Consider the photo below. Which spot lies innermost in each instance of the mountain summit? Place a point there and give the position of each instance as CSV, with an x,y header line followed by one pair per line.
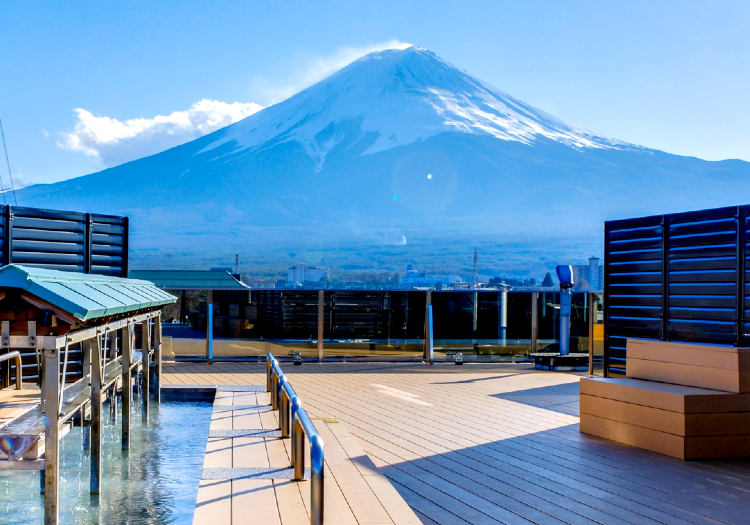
x,y
398,157
395,98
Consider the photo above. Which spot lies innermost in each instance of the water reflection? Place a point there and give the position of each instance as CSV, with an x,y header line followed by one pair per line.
x,y
155,483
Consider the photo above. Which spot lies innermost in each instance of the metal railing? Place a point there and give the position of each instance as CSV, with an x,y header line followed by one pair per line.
x,y
295,423
19,372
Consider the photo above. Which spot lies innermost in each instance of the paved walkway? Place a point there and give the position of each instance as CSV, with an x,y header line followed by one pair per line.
x,y
488,444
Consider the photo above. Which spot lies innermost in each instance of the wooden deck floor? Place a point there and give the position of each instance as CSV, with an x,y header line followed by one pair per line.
x,y
487,444
355,493
14,403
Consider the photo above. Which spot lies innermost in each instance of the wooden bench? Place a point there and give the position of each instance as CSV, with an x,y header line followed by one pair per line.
x,y
685,400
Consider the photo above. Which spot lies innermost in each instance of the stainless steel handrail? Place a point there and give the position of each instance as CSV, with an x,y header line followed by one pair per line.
x,y
296,423
19,371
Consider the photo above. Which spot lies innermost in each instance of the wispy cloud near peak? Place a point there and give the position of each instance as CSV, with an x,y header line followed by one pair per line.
x,y
318,68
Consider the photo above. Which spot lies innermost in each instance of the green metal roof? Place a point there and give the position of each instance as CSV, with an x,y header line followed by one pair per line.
x,y
84,296
190,279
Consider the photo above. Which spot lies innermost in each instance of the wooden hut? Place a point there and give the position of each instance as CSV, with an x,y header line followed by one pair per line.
x,y
76,337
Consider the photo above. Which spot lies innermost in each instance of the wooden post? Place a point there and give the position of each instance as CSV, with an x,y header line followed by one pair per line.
x,y
157,358
112,391
146,363
321,311
97,373
127,386
51,435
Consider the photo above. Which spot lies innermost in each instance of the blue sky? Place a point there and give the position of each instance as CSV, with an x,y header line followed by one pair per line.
x,y
670,75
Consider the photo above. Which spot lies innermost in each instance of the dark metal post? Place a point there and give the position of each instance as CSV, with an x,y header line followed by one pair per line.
x,y
321,311
428,304
534,321
88,226
209,326
592,322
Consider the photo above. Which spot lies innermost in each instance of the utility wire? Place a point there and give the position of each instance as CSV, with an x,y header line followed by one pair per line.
x,y
7,161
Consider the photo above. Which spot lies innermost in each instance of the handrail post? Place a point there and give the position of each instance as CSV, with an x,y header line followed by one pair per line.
x,y
274,389
269,364
316,480
284,413
298,448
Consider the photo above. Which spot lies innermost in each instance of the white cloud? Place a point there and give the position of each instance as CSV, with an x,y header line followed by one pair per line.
x,y
318,68
116,142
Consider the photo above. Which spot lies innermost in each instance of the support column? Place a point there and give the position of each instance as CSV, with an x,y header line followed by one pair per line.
x,y
127,383
427,327
112,356
97,373
503,320
209,326
321,311
592,321
146,363
534,321
157,358
51,393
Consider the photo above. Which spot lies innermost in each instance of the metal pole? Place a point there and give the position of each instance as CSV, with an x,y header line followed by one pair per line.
x,y
321,311
127,383
503,317
316,480
565,307
429,343
146,367
51,435
534,321
298,450
157,357
269,364
427,328
96,415
210,326
592,322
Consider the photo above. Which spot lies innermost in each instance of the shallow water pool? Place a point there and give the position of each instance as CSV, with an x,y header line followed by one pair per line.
x,y
155,482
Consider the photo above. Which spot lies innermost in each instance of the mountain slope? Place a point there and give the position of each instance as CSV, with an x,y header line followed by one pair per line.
x,y
398,157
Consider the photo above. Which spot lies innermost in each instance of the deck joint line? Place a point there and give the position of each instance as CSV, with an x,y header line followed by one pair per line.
x,y
231,408
236,433
224,474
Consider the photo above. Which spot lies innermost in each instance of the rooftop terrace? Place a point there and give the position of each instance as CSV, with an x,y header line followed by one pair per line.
x,y
497,443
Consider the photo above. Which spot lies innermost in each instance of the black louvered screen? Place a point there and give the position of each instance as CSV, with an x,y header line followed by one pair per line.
x,y
68,241
702,298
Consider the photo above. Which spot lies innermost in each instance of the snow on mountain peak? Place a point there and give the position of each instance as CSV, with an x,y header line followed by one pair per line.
x,y
397,97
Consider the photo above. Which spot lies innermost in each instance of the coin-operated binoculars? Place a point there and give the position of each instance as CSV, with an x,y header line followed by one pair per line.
x,y
565,276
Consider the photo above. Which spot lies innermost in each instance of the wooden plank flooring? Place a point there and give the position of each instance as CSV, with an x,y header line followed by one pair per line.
x,y
355,492
498,444
14,403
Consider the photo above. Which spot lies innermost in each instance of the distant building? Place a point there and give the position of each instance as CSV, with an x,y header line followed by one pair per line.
x,y
302,273
415,279
588,277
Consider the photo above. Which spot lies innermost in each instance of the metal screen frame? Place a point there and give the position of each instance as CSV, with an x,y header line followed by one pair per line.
x,y
676,277
63,240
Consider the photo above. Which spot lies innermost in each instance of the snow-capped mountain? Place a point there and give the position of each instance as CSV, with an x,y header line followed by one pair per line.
x,y
401,97
399,157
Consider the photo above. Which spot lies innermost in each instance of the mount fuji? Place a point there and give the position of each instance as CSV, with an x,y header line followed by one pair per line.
x,y
399,157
